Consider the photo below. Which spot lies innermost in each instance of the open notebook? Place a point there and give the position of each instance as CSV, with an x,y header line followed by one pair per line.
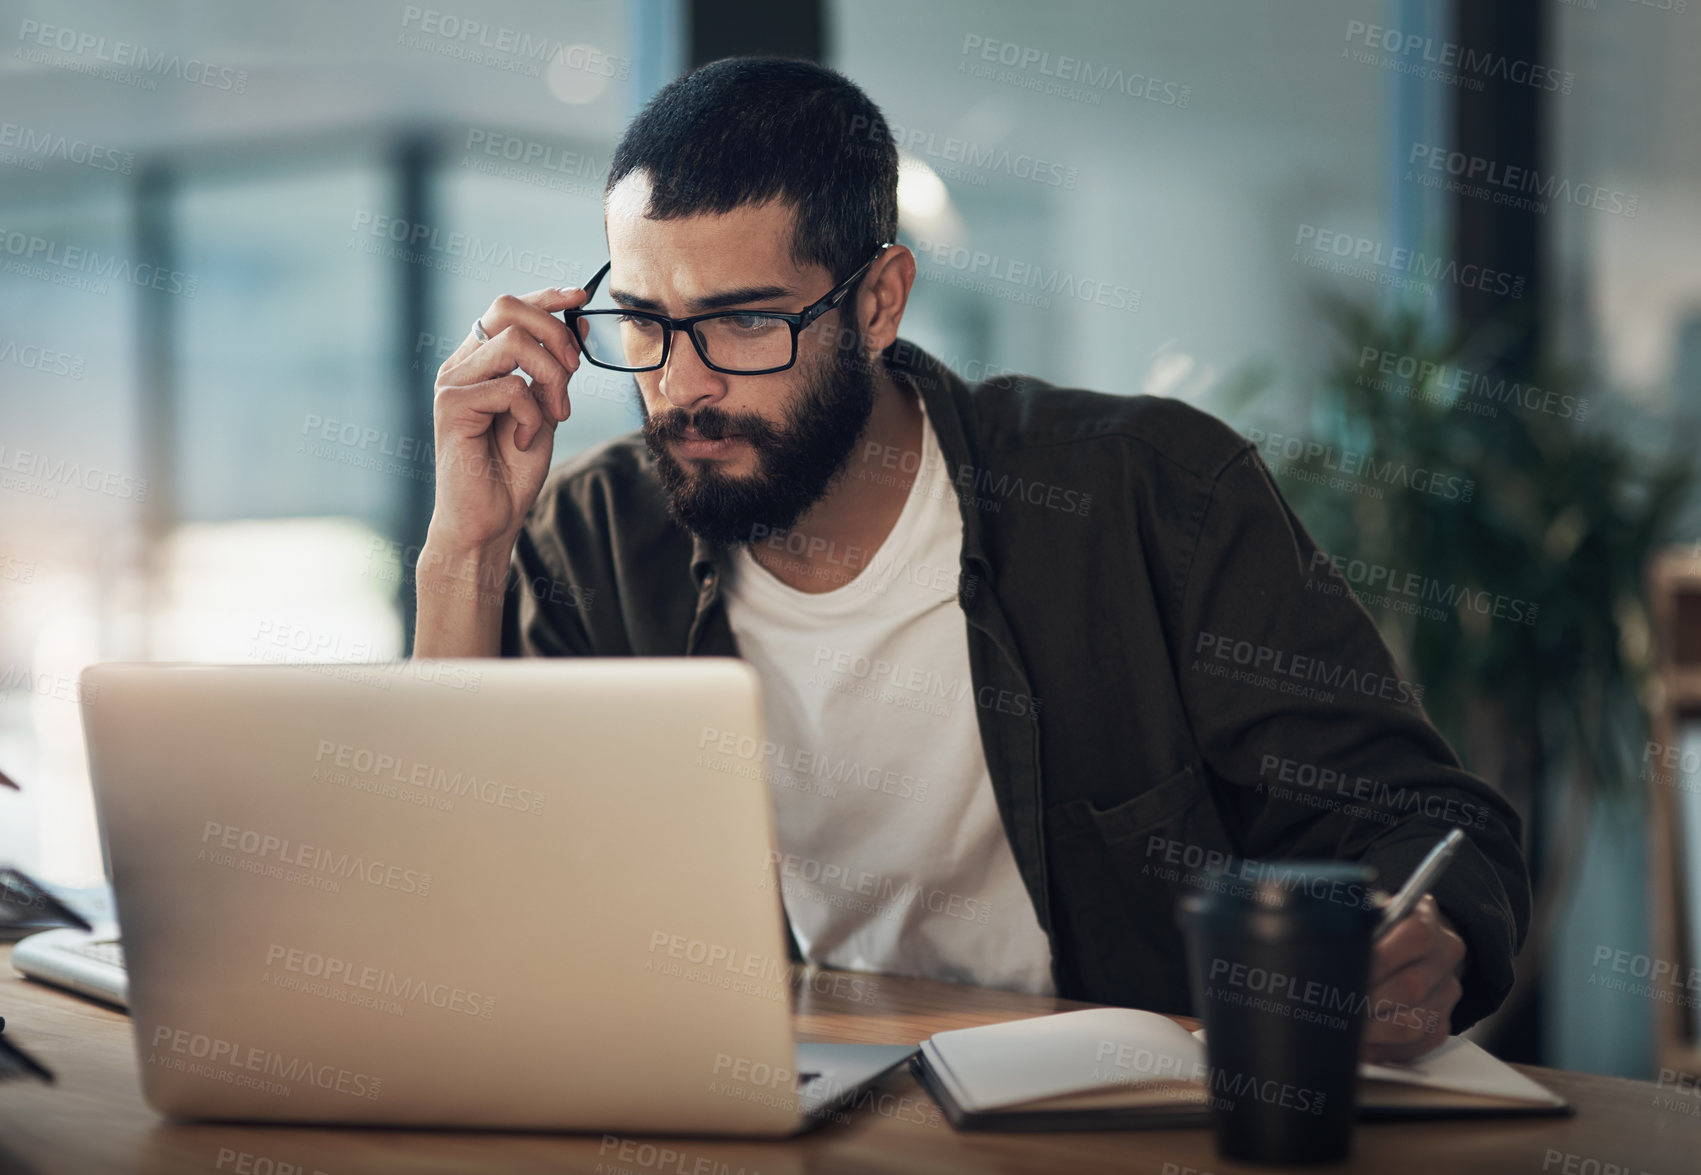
x,y
1117,1068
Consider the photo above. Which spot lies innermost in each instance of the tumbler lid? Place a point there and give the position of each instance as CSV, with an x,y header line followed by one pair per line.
x,y
1326,897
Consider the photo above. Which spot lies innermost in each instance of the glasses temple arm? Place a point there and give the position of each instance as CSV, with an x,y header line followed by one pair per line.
x,y
591,286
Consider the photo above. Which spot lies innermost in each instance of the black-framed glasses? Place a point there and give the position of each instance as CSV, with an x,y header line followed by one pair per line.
x,y
732,342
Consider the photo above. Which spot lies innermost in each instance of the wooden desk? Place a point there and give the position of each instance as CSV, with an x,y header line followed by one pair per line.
x,y
94,1121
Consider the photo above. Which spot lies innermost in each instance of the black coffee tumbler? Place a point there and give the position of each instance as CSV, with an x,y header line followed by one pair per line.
x,y
1279,957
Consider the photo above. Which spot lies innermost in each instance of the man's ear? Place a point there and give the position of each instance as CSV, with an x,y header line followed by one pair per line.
x,y
882,296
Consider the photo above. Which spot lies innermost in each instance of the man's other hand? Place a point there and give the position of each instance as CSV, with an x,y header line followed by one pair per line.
x,y
1414,983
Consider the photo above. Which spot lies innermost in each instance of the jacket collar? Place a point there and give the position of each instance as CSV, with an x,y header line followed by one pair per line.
x,y
947,400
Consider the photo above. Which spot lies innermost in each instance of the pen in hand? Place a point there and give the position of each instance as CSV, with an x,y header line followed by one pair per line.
x,y
1423,878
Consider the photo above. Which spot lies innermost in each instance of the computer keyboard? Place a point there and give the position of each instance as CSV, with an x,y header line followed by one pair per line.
x,y
90,964
107,950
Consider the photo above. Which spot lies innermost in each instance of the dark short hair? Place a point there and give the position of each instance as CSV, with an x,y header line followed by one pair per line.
x,y
744,130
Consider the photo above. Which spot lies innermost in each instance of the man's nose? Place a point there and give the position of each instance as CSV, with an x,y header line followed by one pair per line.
x,y
685,381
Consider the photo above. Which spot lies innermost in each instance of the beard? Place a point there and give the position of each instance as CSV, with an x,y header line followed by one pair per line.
x,y
797,460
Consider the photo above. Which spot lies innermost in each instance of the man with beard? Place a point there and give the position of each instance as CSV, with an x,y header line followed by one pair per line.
x,y
1027,652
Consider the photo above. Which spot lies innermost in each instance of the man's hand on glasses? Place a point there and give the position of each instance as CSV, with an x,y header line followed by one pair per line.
x,y
494,433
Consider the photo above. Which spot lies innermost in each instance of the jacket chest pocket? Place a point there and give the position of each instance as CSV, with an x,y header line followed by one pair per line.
x,y
1123,869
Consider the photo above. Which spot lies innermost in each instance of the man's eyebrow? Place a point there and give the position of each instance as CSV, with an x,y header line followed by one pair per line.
x,y
724,300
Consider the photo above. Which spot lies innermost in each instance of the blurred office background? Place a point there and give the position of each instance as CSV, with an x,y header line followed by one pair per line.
x,y
237,240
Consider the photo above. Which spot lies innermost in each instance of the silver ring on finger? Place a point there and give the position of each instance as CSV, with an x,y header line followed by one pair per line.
x,y
478,331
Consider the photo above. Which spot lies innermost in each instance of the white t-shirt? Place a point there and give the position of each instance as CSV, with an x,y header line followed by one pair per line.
x,y
893,856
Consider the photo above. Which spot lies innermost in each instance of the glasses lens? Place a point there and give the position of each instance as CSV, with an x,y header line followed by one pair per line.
x,y
746,342
616,339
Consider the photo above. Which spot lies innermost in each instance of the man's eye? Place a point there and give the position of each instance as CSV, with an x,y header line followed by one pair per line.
x,y
632,320
752,323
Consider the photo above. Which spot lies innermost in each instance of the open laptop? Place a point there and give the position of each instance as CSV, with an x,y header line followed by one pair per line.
x,y
501,894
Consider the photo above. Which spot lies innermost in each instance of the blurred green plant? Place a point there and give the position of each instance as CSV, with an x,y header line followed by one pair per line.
x,y
1564,516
